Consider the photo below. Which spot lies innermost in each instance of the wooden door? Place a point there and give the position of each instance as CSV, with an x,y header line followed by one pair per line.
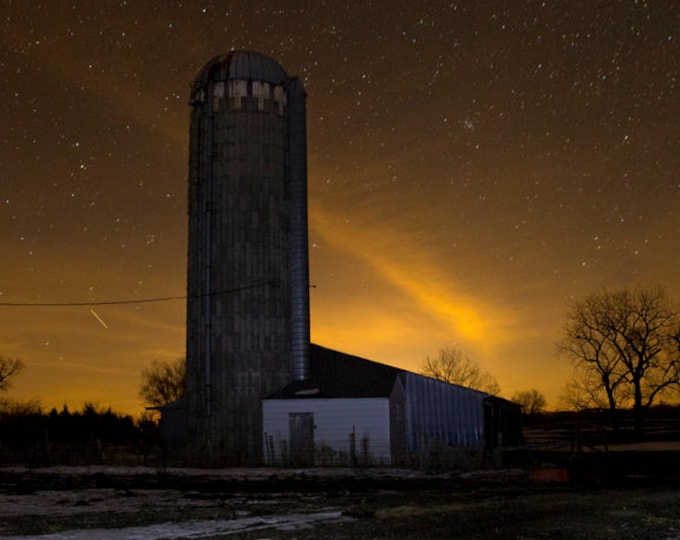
x,y
301,438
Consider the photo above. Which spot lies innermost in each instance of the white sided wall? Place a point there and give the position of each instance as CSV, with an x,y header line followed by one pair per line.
x,y
334,422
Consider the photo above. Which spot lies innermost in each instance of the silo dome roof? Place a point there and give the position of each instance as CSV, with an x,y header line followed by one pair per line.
x,y
249,65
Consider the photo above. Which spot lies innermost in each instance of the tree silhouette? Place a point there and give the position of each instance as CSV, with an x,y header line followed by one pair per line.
x,y
163,382
453,366
8,368
532,401
624,344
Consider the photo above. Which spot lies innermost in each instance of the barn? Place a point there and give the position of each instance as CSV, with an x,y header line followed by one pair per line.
x,y
256,390
359,412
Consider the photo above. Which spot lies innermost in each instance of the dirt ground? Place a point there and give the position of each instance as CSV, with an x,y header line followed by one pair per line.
x,y
97,503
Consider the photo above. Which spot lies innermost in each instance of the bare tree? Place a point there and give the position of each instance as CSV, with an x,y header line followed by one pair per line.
x,y
13,408
8,368
532,401
452,366
163,382
625,344
585,390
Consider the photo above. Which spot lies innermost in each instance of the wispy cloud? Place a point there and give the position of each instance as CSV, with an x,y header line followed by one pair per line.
x,y
412,272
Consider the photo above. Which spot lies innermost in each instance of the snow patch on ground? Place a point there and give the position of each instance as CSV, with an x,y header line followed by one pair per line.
x,y
196,529
57,502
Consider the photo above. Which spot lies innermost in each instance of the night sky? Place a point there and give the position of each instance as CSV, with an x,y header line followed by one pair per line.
x,y
473,166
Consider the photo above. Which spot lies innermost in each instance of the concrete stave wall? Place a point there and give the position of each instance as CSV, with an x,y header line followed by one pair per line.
x,y
239,306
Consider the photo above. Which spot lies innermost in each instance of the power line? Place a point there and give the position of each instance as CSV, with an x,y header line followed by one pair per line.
x,y
138,301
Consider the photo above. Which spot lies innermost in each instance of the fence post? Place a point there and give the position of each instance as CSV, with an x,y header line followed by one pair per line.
x,y
353,448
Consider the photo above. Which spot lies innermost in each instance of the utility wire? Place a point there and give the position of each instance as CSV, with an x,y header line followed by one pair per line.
x,y
139,301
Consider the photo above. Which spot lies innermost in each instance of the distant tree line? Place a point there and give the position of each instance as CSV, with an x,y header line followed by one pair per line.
x,y
91,435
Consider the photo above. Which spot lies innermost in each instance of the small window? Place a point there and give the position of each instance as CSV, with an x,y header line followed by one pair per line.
x,y
261,92
238,89
198,96
218,94
280,98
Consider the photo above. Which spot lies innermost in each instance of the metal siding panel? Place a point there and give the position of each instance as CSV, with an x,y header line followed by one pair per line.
x,y
438,411
398,444
299,257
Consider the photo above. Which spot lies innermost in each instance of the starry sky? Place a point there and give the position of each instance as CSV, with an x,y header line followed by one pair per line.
x,y
473,167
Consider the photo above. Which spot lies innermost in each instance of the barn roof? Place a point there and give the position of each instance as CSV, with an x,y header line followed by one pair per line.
x,y
335,374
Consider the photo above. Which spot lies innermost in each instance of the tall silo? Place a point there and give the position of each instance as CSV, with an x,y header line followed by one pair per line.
x,y
248,279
